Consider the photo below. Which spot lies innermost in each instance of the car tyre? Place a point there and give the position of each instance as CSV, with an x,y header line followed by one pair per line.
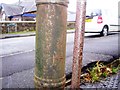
x,y
104,31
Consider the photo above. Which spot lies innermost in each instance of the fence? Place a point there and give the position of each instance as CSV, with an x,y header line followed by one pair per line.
x,y
18,26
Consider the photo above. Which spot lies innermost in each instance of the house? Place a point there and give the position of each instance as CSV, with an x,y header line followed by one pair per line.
x,y
29,10
13,12
24,10
0,13
7,11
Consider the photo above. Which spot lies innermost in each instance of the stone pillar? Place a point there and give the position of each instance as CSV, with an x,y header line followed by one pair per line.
x,y
51,24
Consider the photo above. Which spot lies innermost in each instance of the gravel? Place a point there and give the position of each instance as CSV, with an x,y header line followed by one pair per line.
x,y
110,83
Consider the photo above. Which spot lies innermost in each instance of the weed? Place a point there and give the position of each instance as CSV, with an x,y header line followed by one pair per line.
x,y
114,70
99,71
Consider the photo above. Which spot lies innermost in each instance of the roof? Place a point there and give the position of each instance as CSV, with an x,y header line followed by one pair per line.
x,y
0,8
29,6
11,10
19,8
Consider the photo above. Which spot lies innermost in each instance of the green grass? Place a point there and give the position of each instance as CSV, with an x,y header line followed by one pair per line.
x,y
24,32
21,32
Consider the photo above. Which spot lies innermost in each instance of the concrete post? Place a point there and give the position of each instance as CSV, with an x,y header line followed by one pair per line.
x,y
51,23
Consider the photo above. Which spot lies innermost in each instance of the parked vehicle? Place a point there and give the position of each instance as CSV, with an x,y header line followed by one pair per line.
x,y
101,18
97,22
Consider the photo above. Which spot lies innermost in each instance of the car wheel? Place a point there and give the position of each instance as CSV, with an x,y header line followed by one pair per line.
x,y
104,31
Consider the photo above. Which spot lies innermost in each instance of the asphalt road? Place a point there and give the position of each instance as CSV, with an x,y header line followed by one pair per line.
x,y
18,53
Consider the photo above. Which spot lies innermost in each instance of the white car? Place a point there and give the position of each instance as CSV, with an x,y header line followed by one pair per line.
x,y
101,19
96,22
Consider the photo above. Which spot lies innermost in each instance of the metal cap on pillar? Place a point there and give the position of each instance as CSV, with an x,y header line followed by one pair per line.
x,y
51,25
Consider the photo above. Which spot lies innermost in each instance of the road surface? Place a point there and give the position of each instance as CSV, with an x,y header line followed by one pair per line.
x,y
18,53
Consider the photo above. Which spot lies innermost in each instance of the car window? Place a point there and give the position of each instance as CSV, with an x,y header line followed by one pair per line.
x,y
96,12
93,13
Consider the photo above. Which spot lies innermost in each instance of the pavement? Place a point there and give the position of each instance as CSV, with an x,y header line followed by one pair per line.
x,y
26,34
24,79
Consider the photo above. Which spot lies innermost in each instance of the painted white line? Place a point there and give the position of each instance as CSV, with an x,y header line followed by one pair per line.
x,y
12,54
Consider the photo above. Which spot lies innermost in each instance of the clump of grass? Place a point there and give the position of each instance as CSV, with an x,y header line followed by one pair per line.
x,y
100,71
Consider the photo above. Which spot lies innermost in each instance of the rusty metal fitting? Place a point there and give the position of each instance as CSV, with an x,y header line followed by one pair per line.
x,y
61,2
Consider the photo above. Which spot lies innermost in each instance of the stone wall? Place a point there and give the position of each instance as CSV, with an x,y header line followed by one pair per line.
x,y
13,27
18,27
